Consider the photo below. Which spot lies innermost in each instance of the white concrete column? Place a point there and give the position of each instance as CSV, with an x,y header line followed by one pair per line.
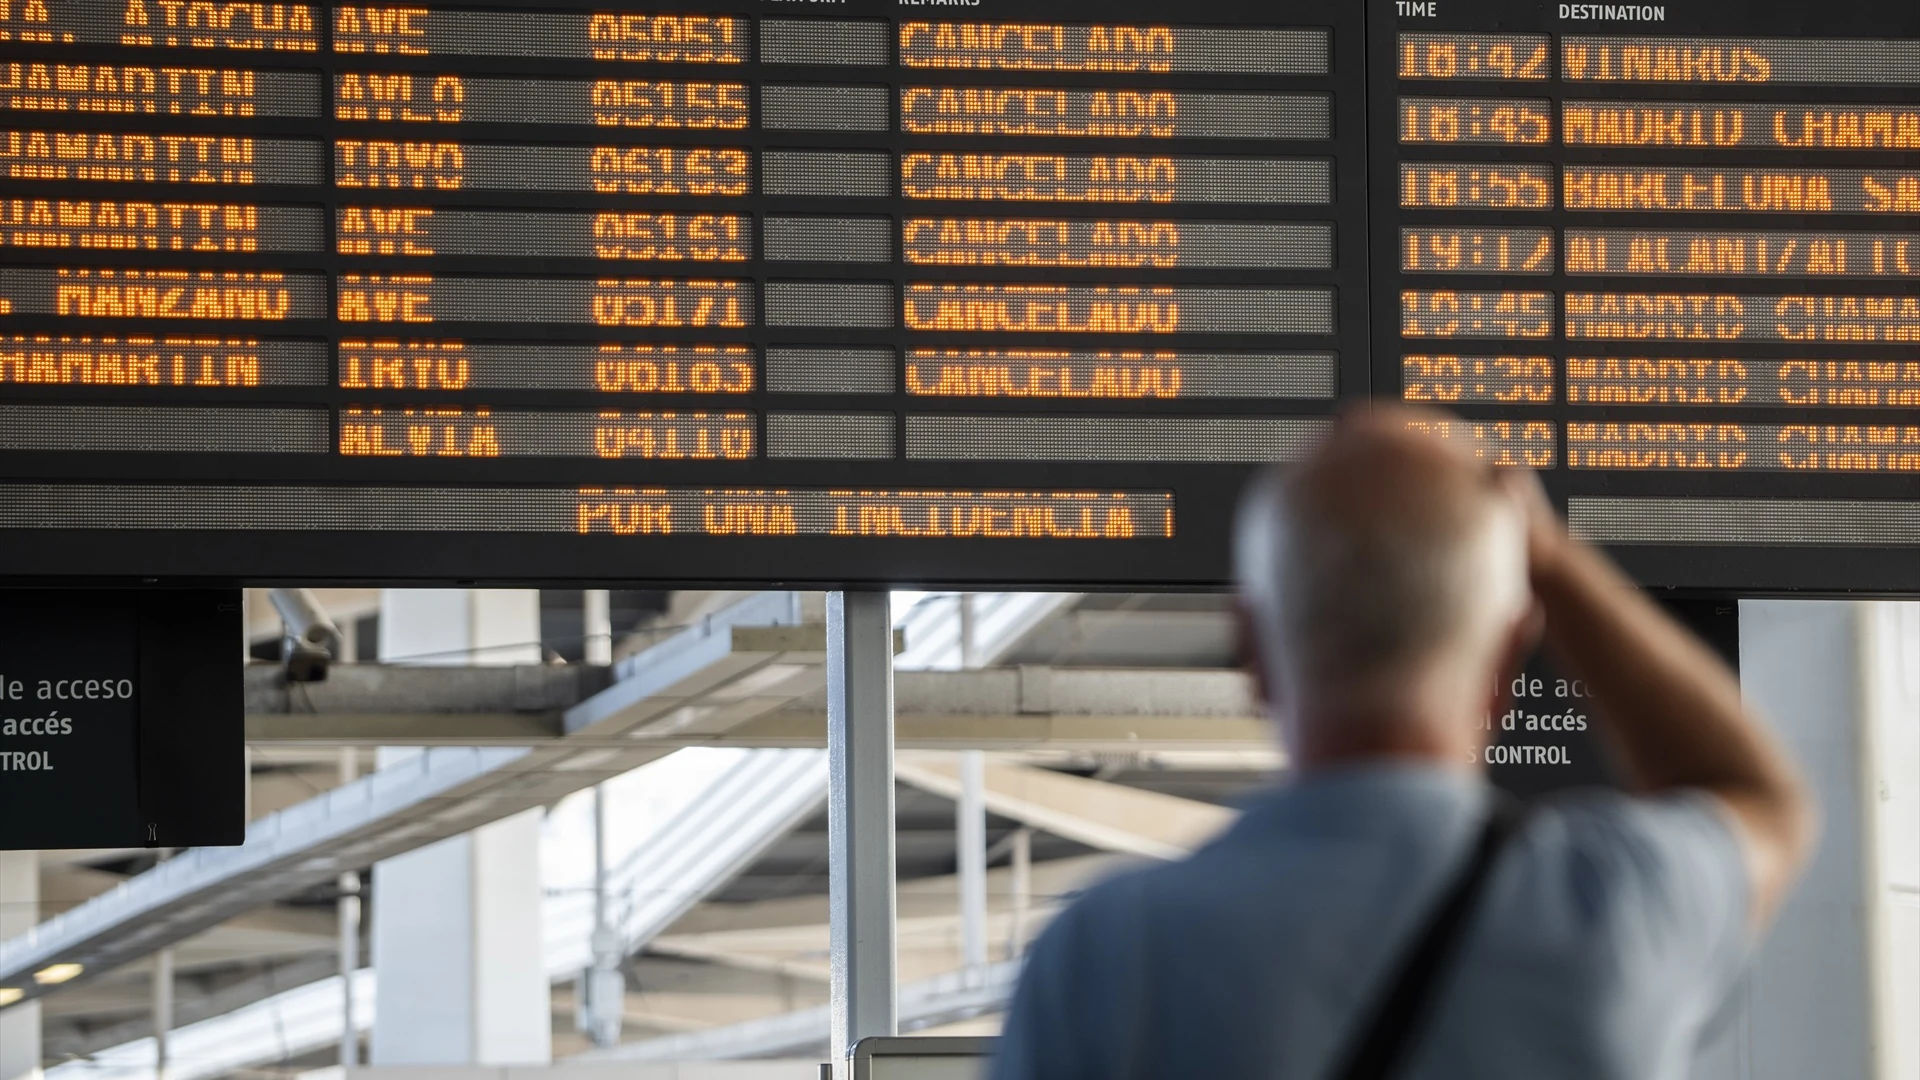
x,y
347,929
596,626
861,902
1816,1001
19,913
1893,680
970,840
969,653
1021,884
162,1013
456,925
600,991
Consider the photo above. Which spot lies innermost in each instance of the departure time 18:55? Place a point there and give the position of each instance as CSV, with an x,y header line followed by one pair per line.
x,y
1482,186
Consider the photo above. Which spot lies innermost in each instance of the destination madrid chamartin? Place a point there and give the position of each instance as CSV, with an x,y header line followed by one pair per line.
x,y
978,293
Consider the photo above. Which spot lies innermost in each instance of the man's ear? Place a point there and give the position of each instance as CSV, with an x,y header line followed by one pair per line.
x,y
1247,646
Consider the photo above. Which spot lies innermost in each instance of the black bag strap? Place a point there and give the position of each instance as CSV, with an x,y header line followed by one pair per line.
x,y
1382,1042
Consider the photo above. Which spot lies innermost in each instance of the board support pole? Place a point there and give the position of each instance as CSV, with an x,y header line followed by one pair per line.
x,y
860,819
162,1013
347,919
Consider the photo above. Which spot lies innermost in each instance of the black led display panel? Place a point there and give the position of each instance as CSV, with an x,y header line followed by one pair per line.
x,y
120,723
878,292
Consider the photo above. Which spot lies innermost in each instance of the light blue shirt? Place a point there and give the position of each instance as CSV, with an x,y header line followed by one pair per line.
x,y
1608,934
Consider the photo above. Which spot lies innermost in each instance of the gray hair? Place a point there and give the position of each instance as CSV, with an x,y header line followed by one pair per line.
x,y
1354,585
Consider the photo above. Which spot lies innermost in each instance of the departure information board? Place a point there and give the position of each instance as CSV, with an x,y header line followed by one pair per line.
x,y
953,293
1665,253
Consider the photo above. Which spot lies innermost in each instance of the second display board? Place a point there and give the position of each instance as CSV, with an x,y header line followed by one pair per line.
x,y
866,293
1666,255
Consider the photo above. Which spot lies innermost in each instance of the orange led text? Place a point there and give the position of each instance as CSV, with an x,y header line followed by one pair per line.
x,y
1038,177
387,163
129,226
667,39
670,170
1603,61
621,368
407,98
172,294
994,110
219,24
388,364
418,432
129,89
1130,309
401,30
1039,373
669,105
384,230
128,157
1041,242
674,436
643,303
131,361
1509,380
385,298
1036,47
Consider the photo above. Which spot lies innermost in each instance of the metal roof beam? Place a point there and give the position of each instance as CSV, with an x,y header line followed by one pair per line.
x,y
1111,817
774,699
442,791
192,1006
942,999
751,805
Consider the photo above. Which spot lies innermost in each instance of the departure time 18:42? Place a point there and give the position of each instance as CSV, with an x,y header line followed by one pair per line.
x,y
1474,56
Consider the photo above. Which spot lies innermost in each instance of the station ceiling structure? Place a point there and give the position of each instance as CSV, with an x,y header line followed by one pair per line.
x,y
1103,754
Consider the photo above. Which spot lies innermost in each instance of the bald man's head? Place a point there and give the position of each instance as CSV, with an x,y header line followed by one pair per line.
x,y
1384,576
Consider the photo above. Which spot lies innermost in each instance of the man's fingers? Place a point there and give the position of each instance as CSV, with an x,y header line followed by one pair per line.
x,y
1412,428
1527,490
1546,533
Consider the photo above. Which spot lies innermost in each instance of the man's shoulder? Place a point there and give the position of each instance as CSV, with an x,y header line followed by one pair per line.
x,y
1605,823
1600,865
